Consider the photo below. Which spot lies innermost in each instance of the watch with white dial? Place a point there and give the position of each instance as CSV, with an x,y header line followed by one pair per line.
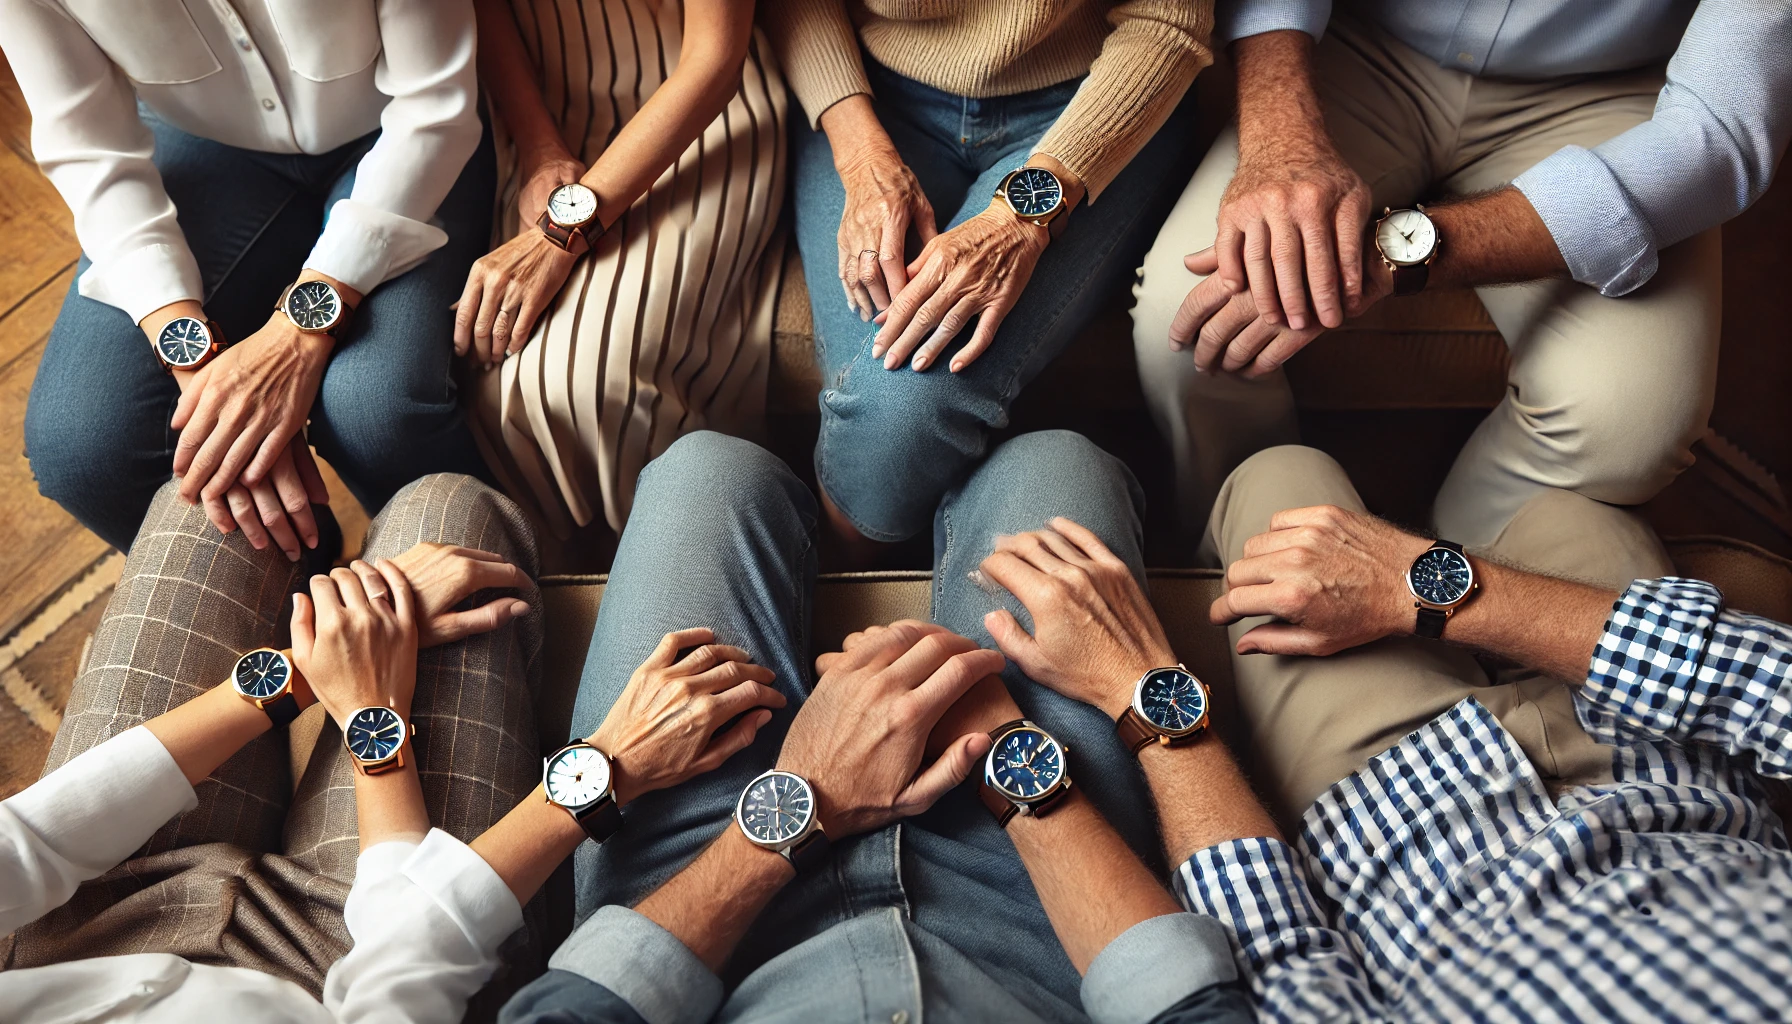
x,y
315,307
187,343
580,778
570,219
1169,706
1408,242
1440,580
1025,772
375,738
264,677
1035,195
777,812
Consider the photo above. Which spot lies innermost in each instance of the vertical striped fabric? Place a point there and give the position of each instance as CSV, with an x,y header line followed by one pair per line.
x,y
665,327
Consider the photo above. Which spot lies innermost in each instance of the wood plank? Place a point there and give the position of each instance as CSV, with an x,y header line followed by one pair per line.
x,y
37,235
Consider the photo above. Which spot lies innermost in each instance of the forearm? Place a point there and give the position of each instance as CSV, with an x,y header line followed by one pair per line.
x,y
1202,798
389,806
527,844
710,904
854,132
208,730
1278,107
1549,624
504,68
1492,238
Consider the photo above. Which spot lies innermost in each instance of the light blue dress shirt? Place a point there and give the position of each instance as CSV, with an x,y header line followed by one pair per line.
x,y
1720,125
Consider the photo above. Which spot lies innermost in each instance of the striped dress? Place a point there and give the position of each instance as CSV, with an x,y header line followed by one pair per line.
x,y
665,326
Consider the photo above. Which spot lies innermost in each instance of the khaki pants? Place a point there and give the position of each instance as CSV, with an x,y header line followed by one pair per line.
x,y
1309,722
1605,396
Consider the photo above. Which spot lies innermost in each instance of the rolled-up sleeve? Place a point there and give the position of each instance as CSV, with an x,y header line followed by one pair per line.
x,y
87,139
1235,21
631,959
427,131
1719,127
1155,965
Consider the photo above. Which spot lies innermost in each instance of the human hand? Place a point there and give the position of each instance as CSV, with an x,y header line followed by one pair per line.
x,y
860,737
357,651
1291,224
1228,333
1094,631
278,508
541,176
977,269
444,575
240,412
1334,578
883,199
663,729
506,291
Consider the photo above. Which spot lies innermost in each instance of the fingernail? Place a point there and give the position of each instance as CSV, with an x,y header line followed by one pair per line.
x,y
865,315
877,350
292,556
311,540
891,362
957,365
919,362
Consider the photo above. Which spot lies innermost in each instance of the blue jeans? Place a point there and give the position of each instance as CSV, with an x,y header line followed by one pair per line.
x,y
722,535
893,442
96,427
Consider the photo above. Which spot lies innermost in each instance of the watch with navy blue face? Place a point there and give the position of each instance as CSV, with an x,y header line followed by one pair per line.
x,y
1025,772
1169,707
375,739
580,778
1035,195
1440,580
264,677
777,812
187,343
315,307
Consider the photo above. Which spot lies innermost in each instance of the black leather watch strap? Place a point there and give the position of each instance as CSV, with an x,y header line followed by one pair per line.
x,y
1431,623
601,820
811,851
282,710
1411,279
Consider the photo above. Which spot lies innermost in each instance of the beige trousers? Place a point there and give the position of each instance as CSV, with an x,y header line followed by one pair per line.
x,y
1309,722
1605,396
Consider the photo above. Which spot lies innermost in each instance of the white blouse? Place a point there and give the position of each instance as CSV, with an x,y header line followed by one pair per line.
x,y
426,918
277,76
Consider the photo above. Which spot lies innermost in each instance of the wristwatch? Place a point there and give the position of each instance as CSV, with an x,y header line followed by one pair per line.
x,y
777,812
187,343
1024,773
1408,242
1169,706
1035,195
264,678
375,739
315,307
1440,580
570,217
579,778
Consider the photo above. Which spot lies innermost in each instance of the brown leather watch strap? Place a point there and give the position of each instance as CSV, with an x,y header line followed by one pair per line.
x,y
573,240
1134,732
998,805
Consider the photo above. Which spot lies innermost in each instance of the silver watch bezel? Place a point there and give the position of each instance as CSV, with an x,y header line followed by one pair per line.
x,y
780,845
1138,701
609,791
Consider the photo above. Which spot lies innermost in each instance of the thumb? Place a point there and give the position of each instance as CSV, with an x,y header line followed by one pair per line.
x,y
1282,638
1205,263
1011,639
304,628
940,777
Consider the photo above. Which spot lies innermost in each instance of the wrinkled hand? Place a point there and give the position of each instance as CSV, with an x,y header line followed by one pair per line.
x,y
355,650
540,179
664,728
1094,632
977,269
240,412
506,291
442,576
278,508
1333,578
1229,334
883,200
860,737
1291,224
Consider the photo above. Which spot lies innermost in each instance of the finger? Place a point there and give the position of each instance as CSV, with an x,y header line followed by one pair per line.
x,y
273,518
190,398
889,253
202,473
1282,347
1204,263
290,492
1031,547
669,646
1277,599
1260,271
1282,638
1065,551
218,511
708,656
741,698
1086,540
1290,271
304,626
1244,348
371,580
950,681
486,317
726,745
466,308
1229,252
404,601
247,516
921,216
452,626
1308,515
483,574
944,774
533,304
1353,216
193,437
1258,571
327,599
730,674
1203,301
1210,346
950,325
1015,642
348,585
231,468
871,277
988,323
924,325
903,307
1322,273
1018,576
309,475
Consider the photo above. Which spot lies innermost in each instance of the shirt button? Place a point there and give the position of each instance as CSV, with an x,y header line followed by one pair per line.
x,y
267,104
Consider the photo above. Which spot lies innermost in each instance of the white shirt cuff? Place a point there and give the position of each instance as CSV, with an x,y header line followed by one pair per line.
x,y
364,246
465,887
105,803
144,280
1154,965
642,963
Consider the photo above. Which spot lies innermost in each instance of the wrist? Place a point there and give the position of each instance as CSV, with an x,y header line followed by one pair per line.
x,y
755,865
1401,606
153,323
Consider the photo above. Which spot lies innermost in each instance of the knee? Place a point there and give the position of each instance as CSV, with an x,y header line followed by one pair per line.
x,y
1614,449
1293,470
892,444
383,430
452,508
709,475
1058,460
77,453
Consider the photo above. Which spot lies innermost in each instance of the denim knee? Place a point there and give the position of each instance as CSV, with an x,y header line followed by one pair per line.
x,y
706,478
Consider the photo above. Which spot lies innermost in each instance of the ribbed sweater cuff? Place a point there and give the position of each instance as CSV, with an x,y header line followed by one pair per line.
x,y
819,50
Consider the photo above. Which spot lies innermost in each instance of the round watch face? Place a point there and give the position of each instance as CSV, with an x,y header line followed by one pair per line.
x,y
1034,192
184,341
261,674
314,306
571,206
1406,237
1025,764
775,808
1440,576
577,776
374,734
1172,700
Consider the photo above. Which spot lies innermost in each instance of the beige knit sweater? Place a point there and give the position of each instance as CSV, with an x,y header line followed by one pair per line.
x,y
1140,56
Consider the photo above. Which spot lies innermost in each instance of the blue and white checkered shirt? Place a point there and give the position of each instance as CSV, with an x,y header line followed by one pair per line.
x,y
1441,882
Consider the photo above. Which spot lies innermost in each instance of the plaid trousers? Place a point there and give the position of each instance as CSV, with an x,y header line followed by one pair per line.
x,y
256,876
